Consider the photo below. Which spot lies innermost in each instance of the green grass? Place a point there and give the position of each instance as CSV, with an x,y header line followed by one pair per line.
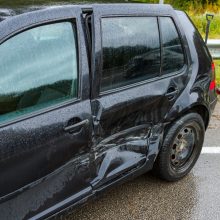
x,y
217,68
200,22
197,11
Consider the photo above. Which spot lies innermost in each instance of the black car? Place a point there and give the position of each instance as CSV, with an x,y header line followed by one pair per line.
x,y
74,122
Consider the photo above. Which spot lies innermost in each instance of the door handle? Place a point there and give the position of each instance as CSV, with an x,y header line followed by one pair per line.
x,y
76,127
172,93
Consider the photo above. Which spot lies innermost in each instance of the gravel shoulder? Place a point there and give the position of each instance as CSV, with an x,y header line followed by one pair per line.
x,y
212,137
215,121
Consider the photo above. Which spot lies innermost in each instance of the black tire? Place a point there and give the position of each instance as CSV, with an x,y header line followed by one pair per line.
x,y
178,141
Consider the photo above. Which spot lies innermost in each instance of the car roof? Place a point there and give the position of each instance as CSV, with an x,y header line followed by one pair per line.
x,y
11,12
15,21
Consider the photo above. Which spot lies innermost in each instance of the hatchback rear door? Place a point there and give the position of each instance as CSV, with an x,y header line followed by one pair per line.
x,y
45,113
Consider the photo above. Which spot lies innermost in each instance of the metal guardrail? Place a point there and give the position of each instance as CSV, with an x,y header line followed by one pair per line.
x,y
214,48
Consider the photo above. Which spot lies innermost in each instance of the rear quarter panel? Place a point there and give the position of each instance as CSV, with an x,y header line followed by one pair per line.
x,y
196,92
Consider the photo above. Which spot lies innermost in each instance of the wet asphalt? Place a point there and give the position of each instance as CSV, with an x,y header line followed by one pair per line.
x,y
197,196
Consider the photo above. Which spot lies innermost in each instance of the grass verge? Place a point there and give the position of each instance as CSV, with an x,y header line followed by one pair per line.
x,y
200,22
217,68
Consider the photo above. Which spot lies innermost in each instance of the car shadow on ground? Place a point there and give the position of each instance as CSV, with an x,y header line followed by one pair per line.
x,y
144,197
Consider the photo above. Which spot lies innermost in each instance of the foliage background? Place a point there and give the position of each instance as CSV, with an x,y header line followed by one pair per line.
x,y
197,10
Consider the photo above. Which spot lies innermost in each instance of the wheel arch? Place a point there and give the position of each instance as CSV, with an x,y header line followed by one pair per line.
x,y
200,109
203,112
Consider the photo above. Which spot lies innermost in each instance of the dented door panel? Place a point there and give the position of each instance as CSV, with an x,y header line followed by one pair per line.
x,y
122,111
127,133
120,153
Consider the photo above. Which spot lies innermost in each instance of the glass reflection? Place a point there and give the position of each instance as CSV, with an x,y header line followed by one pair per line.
x,y
173,58
38,69
131,50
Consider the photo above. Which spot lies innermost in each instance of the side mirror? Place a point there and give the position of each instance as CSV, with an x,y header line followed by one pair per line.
x,y
209,18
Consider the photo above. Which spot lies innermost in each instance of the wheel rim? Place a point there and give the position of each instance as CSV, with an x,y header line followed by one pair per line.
x,y
183,147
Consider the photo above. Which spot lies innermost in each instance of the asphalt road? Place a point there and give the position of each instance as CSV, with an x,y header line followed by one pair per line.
x,y
195,197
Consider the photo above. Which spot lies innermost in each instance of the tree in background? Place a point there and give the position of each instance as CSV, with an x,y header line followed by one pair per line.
x,y
194,6
197,9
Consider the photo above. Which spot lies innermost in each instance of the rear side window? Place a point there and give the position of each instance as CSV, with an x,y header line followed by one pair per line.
x,y
38,69
172,50
131,51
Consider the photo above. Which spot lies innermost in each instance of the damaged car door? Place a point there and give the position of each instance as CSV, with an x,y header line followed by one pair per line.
x,y
131,95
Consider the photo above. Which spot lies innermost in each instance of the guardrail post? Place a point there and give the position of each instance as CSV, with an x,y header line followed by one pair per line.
x,y
214,48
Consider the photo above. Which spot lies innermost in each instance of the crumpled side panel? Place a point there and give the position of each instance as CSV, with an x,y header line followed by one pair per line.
x,y
120,153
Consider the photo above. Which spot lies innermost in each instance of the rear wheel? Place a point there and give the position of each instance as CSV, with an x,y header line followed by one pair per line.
x,y
181,147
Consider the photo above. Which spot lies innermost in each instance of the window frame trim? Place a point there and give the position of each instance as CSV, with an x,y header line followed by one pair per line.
x,y
181,42
158,78
73,21
160,75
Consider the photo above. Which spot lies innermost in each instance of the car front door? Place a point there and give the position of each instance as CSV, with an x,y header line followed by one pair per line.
x,y
45,113
132,94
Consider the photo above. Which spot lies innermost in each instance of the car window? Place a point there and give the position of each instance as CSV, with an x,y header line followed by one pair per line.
x,y
131,51
173,56
38,69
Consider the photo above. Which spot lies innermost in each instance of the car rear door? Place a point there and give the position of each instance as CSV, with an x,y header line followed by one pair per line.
x,y
132,94
45,113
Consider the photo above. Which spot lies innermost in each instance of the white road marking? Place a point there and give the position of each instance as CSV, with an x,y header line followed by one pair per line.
x,y
211,150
